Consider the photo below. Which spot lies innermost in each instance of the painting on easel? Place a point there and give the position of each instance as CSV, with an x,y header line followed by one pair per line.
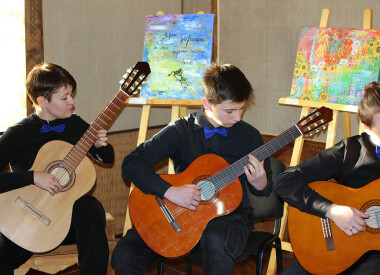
x,y
333,64
178,49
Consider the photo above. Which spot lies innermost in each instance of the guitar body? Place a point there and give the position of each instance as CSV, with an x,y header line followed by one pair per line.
x,y
50,227
306,232
153,226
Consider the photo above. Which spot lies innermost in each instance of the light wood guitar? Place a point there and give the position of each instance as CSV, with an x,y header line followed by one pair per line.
x,y
319,245
172,231
37,221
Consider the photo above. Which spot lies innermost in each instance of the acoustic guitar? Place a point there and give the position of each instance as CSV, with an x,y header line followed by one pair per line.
x,y
37,221
319,245
172,231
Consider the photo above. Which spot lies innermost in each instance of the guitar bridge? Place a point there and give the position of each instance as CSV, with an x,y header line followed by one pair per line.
x,y
169,216
327,234
32,210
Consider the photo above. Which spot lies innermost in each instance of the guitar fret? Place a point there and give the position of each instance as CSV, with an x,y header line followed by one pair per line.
x,y
66,165
102,120
88,144
74,156
92,135
89,136
100,123
117,107
120,101
111,111
106,116
99,126
79,148
70,166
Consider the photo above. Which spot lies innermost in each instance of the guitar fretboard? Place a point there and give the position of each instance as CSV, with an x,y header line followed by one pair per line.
x,y
81,148
235,170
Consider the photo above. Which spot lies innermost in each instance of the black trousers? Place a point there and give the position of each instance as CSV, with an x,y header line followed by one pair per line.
x,y
368,264
87,231
222,241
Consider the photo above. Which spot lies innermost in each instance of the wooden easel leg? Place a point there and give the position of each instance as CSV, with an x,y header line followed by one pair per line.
x,y
143,133
331,131
296,156
144,124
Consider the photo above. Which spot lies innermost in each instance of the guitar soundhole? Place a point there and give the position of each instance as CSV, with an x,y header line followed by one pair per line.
x,y
208,194
372,208
64,176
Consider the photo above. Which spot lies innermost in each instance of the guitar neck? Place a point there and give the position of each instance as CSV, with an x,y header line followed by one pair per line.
x,y
236,169
81,148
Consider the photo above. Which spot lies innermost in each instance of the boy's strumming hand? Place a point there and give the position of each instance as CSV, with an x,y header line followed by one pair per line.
x,y
187,196
47,182
349,219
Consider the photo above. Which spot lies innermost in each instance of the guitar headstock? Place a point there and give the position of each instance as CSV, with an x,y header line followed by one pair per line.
x,y
134,78
315,121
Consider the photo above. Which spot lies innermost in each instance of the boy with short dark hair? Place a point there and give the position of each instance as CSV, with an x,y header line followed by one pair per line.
x,y
216,128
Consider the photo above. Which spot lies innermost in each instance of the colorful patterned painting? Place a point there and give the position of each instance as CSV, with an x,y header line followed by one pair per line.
x,y
178,49
333,65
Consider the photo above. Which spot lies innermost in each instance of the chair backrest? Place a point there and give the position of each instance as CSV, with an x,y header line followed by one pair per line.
x,y
271,206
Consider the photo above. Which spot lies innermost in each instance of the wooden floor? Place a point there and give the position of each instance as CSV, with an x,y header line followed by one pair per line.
x,y
178,267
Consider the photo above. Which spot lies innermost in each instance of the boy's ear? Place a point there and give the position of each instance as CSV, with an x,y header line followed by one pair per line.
x,y
41,101
206,103
366,127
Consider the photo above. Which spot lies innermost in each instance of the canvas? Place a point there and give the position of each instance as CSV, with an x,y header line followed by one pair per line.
x,y
334,65
178,49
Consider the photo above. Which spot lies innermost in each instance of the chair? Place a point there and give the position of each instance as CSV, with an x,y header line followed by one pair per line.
x,y
65,255
258,241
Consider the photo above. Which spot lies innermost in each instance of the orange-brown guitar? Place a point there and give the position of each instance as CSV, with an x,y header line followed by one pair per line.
x,y
319,245
38,221
172,231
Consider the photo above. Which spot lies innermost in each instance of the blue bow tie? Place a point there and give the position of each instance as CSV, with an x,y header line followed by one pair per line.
x,y
58,129
378,151
210,132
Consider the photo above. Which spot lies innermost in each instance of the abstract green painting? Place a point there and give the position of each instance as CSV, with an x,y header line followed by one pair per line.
x,y
334,65
178,49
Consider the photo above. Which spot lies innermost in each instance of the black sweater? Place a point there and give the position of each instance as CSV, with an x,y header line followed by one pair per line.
x,y
183,141
352,162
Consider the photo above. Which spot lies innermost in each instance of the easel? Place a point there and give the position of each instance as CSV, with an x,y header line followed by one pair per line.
x,y
346,111
179,109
